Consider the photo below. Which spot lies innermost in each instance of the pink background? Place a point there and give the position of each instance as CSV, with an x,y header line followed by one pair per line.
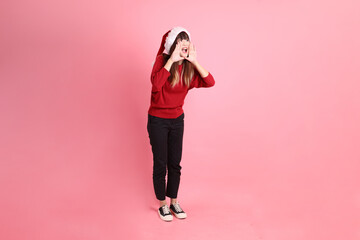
x,y
272,151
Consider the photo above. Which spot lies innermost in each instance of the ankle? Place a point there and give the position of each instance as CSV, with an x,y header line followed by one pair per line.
x,y
162,203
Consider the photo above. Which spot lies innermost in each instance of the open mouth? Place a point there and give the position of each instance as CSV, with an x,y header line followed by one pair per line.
x,y
184,49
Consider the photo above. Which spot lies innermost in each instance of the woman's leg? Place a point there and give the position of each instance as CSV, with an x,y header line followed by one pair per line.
x,y
175,143
158,133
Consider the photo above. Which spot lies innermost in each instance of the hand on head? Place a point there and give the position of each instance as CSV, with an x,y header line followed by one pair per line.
x,y
191,53
188,53
176,55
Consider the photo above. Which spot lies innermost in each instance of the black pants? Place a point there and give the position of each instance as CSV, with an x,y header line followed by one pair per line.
x,y
166,139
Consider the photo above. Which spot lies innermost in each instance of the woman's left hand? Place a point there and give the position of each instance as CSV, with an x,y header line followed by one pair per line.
x,y
192,53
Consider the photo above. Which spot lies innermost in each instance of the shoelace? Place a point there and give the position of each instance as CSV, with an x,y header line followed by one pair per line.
x,y
166,209
177,207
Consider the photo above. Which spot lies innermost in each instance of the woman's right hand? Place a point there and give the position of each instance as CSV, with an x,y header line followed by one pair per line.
x,y
175,56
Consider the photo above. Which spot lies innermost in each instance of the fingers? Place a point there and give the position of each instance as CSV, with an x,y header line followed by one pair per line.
x,y
182,44
192,46
177,51
177,48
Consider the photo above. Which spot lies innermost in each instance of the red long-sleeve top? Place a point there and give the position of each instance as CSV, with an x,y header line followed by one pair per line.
x,y
167,102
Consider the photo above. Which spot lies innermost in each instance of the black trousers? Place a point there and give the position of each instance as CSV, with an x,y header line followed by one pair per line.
x,y
166,139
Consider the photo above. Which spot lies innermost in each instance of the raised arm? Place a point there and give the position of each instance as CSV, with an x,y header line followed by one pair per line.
x,y
159,74
199,82
202,78
161,71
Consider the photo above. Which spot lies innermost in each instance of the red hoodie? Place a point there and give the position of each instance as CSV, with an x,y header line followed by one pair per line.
x,y
167,102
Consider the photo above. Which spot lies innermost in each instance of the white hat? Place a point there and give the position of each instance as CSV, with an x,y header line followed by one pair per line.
x,y
169,38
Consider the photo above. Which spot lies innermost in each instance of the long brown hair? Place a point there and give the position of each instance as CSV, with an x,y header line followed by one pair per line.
x,y
187,71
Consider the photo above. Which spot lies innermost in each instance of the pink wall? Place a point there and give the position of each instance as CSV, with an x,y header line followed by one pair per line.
x,y
270,152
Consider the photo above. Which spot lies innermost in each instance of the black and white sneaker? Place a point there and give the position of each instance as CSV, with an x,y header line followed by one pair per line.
x,y
164,213
177,211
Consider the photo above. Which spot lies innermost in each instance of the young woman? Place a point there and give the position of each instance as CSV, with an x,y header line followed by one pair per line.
x,y
174,73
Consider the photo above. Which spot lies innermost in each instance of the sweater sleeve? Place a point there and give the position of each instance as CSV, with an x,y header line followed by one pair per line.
x,y
159,74
199,82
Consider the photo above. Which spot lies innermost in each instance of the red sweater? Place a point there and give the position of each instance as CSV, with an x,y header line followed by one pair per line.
x,y
167,102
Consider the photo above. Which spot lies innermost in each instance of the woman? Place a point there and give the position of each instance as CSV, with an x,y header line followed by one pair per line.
x,y
174,73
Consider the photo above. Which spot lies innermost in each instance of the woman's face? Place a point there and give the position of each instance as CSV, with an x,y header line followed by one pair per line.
x,y
184,46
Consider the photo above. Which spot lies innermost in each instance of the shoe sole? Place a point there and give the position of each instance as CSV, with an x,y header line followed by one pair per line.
x,y
164,219
176,215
